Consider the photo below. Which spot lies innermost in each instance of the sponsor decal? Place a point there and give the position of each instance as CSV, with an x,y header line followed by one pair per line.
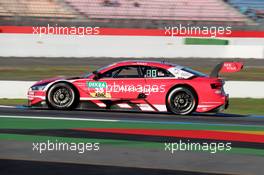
x,y
100,95
231,67
97,84
180,74
98,89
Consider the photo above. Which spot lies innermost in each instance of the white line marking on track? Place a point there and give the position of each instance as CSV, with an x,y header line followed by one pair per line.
x,y
4,106
59,118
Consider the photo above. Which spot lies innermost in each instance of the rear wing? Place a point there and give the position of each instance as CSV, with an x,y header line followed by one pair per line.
x,y
226,67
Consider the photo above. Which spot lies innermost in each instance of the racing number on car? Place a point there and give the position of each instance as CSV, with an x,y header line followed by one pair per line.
x,y
152,73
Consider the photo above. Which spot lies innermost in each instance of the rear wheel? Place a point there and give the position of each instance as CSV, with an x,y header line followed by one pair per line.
x,y
182,101
61,96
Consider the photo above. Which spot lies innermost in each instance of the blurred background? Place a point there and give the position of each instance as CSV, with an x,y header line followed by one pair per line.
x,y
241,14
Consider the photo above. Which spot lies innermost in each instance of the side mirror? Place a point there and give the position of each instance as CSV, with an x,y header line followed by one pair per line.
x,y
97,75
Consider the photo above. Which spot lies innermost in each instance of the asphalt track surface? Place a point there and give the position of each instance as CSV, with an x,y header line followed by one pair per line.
x,y
220,118
122,161
44,168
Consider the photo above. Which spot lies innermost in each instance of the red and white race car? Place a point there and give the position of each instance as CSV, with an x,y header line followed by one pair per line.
x,y
137,85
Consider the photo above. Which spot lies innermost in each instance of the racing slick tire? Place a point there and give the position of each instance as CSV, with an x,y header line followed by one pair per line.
x,y
182,101
62,96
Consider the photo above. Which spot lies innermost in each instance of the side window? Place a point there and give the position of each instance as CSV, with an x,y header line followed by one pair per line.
x,y
155,72
128,72
123,72
111,73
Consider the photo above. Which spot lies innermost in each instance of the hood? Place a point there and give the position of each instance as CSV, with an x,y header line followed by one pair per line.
x,y
49,80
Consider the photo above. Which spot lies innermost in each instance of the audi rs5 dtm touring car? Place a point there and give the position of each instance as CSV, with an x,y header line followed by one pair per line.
x,y
137,85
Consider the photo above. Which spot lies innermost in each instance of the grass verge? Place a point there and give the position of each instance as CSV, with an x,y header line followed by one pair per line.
x,y
13,102
246,106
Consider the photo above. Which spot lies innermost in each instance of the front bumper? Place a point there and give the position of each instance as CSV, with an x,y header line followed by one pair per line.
x,y
36,98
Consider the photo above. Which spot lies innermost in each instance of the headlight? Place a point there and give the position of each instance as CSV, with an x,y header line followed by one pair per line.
x,y
38,87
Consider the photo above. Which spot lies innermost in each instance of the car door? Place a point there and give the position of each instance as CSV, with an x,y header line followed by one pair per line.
x,y
121,83
159,80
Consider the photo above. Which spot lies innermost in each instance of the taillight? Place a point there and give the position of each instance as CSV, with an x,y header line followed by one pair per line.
x,y
217,85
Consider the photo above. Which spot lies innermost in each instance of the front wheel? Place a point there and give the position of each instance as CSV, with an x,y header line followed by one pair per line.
x,y
61,96
182,101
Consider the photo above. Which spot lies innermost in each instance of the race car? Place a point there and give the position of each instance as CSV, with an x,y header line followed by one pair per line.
x,y
137,85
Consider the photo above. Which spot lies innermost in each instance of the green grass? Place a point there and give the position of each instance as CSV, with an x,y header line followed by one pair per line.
x,y
245,106
43,72
13,102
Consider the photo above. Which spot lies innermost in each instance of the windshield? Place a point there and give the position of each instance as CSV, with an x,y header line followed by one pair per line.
x,y
98,70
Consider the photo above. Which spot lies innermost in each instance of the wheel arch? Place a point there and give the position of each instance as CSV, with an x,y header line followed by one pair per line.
x,y
66,82
188,86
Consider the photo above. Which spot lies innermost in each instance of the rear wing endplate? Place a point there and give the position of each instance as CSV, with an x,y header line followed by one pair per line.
x,y
226,67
